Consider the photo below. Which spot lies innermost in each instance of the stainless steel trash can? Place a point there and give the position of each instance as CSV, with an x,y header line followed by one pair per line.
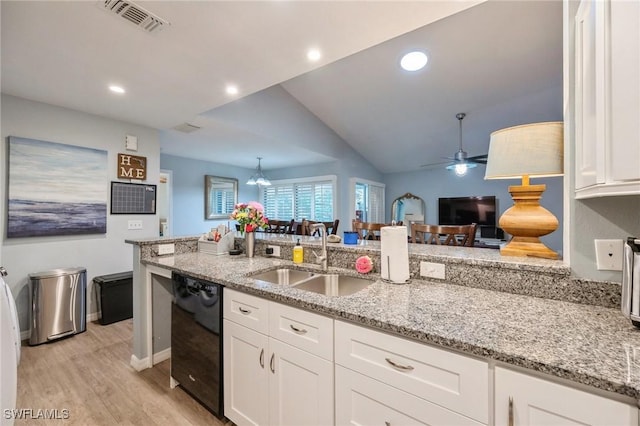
x,y
58,304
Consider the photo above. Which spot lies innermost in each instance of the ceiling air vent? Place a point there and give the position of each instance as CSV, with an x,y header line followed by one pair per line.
x,y
135,14
186,128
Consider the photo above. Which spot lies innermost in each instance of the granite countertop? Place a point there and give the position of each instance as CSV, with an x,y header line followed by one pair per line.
x,y
592,345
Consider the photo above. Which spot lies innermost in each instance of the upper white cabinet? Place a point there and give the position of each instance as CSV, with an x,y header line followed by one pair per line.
x,y
524,400
607,98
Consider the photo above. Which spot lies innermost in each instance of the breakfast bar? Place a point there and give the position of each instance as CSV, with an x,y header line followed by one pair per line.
x,y
526,314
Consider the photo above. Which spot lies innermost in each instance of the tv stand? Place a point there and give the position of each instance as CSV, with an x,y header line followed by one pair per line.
x,y
489,243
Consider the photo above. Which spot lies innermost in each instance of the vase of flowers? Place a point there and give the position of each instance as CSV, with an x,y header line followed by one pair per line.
x,y
250,216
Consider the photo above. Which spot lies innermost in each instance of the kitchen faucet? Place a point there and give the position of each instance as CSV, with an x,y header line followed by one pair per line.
x,y
322,258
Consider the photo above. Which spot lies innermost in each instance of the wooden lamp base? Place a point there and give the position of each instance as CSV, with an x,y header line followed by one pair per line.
x,y
527,221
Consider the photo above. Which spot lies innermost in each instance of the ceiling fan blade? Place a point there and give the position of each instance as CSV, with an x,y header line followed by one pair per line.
x,y
480,159
434,165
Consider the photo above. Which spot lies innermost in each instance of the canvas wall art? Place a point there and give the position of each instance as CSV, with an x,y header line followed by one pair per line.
x,y
55,189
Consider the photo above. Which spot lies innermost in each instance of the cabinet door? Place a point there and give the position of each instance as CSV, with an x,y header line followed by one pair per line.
x,y
539,402
625,90
361,400
590,107
300,387
245,375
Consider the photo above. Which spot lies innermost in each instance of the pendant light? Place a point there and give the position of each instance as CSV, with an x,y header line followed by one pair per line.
x,y
259,178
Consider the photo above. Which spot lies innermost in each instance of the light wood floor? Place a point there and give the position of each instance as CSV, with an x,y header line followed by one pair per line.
x,y
89,375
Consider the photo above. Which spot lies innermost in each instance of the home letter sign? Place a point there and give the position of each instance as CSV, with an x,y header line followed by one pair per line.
x,y
132,167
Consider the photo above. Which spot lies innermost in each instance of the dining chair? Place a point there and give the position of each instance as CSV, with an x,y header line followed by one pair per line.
x,y
463,235
367,230
332,227
279,226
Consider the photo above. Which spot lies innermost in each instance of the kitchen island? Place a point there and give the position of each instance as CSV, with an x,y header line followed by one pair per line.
x,y
522,313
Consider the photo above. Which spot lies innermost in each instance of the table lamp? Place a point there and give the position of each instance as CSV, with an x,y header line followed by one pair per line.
x,y
523,152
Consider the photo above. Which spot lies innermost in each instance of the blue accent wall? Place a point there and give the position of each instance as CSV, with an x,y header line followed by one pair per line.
x,y
188,191
433,184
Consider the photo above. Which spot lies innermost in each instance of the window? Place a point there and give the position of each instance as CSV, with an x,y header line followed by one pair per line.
x,y
368,200
307,198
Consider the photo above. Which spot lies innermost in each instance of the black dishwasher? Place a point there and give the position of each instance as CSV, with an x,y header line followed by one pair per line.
x,y
196,339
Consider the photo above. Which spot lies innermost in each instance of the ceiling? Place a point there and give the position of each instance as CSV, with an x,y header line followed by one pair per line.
x,y
482,60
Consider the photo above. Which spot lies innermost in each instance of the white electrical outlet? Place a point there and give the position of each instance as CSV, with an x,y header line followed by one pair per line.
x,y
134,224
276,251
609,255
166,249
432,270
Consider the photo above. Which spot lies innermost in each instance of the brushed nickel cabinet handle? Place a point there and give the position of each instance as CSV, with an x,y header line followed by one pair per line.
x,y
399,366
510,411
262,358
297,330
244,311
271,366
192,378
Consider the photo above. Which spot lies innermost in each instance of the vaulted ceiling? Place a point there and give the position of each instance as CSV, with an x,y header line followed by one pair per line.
x,y
500,62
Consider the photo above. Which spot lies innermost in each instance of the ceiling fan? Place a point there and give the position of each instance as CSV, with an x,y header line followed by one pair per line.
x,y
461,162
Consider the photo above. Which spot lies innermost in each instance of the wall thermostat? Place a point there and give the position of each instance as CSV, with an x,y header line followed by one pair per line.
x,y
131,143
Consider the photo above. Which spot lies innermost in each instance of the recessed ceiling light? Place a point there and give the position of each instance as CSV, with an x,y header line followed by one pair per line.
x,y
414,61
232,90
116,89
313,55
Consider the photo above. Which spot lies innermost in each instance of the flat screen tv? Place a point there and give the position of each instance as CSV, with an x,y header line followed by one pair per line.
x,y
466,210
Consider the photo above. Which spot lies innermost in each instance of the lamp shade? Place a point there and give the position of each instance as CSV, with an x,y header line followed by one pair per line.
x,y
534,150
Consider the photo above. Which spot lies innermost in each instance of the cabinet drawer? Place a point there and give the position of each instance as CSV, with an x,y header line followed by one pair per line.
x,y
361,400
245,309
304,330
453,381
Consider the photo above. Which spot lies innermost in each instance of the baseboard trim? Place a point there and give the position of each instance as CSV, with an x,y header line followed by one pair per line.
x,y
139,364
142,364
93,317
161,356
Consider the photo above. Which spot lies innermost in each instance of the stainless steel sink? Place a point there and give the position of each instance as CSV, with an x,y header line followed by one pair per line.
x,y
284,276
333,284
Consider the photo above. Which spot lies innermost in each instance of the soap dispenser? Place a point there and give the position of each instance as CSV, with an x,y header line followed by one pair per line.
x,y
298,253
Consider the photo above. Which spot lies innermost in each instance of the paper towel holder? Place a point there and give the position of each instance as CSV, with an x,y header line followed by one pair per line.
x,y
388,262
388,279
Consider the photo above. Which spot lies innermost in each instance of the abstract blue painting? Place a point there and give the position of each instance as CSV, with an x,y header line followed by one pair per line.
x,y
56,189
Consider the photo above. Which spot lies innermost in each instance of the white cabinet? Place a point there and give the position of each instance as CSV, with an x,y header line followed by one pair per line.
x,y
607,98
300,387
245,376
441,386
361,400
589,107
273,373
535,401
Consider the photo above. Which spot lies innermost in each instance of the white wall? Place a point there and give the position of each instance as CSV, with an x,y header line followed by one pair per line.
x,y
100,254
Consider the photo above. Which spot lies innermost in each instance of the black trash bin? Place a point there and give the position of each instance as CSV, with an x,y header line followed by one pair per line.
x,y
114,293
